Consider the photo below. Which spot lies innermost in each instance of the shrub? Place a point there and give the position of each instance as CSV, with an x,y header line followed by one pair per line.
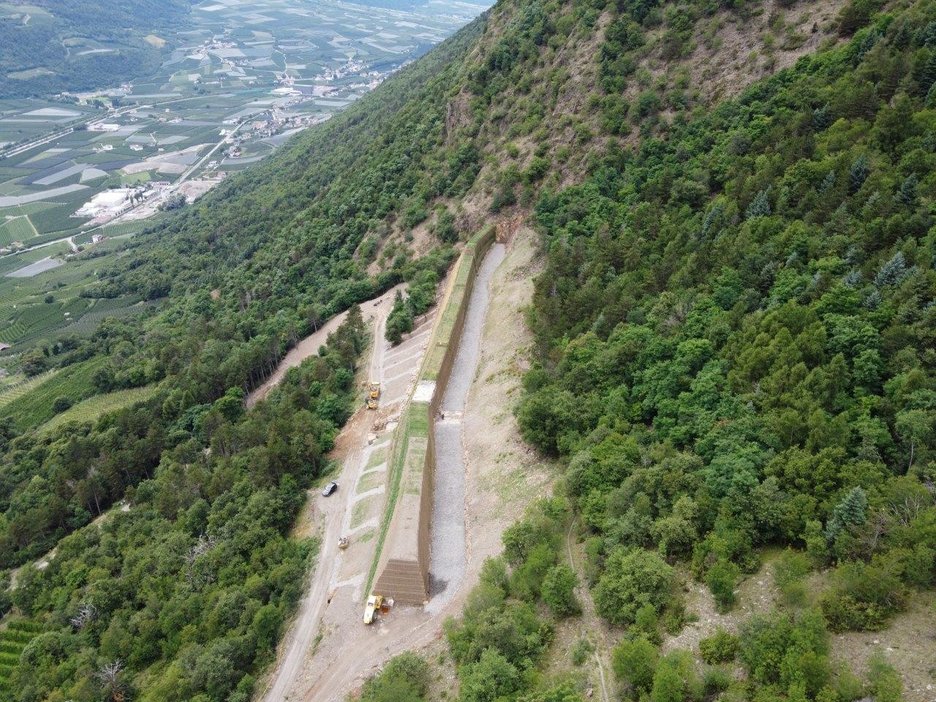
x,y
580,651
558,591
445,227
720,647
862,598
634,662
633,578
399,321
777,649
789,571
504,197
856,15
492,677
60,404
716,680
405,677
675,679
722,578
885,682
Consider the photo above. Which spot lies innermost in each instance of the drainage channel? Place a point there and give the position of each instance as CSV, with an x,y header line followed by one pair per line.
x,y
448,553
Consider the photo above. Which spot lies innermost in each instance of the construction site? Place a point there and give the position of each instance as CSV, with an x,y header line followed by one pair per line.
x,y
399,537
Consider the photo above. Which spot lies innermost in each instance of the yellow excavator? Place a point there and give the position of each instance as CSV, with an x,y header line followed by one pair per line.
x,y
374,605
373,395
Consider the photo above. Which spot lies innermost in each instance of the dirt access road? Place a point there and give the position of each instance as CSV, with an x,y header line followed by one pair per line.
x,y
355,509
374,312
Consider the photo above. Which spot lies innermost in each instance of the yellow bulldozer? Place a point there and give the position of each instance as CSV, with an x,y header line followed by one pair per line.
x,y
373,395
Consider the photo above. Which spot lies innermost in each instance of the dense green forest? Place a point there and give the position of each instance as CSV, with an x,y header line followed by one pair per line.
x,y
183,595
734,352
169,519
41,54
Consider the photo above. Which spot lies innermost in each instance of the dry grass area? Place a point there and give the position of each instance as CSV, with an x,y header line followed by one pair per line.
x,y
908,644
757,594
731,54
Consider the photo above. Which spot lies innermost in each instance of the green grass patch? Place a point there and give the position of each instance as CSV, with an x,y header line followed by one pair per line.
x,y
135,178
16,229
94,407
361,510
377,457
34,407
368,481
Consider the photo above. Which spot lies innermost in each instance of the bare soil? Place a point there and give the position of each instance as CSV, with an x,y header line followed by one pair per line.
x,y
908,644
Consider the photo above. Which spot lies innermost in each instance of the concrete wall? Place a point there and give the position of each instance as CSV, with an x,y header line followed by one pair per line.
x,y
403,563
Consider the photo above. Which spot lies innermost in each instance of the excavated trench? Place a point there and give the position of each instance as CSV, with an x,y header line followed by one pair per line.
x,y
448,552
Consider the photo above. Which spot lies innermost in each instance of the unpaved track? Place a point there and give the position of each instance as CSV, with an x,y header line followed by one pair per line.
x,y
337,578
335,509
378,308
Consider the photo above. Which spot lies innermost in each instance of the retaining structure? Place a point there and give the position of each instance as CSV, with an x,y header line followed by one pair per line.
x,y
402,556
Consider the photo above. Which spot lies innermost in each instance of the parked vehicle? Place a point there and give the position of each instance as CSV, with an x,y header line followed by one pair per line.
x,y
329,489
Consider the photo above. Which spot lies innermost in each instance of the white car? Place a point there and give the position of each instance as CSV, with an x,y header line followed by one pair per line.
x,y
329,489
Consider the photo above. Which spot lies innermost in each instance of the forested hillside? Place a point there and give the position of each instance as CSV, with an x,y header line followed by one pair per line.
x,y
734,352
172,575
735,334
48,46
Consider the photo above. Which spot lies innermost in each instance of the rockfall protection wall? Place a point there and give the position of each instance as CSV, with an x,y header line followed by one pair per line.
x,y
403,545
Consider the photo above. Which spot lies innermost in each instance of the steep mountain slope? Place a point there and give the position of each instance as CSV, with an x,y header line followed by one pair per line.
x,y
735,333
734,350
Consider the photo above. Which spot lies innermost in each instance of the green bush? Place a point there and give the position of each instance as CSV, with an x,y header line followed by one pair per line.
x,y
716,680
580,651
675,679
885,683
491,678
789,573
558,591
405,677
722,579
862,598
634,663
60,404
778,649
720,647
633,578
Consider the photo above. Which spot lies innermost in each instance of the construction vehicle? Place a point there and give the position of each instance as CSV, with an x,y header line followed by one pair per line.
x,y
374,603
373,394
